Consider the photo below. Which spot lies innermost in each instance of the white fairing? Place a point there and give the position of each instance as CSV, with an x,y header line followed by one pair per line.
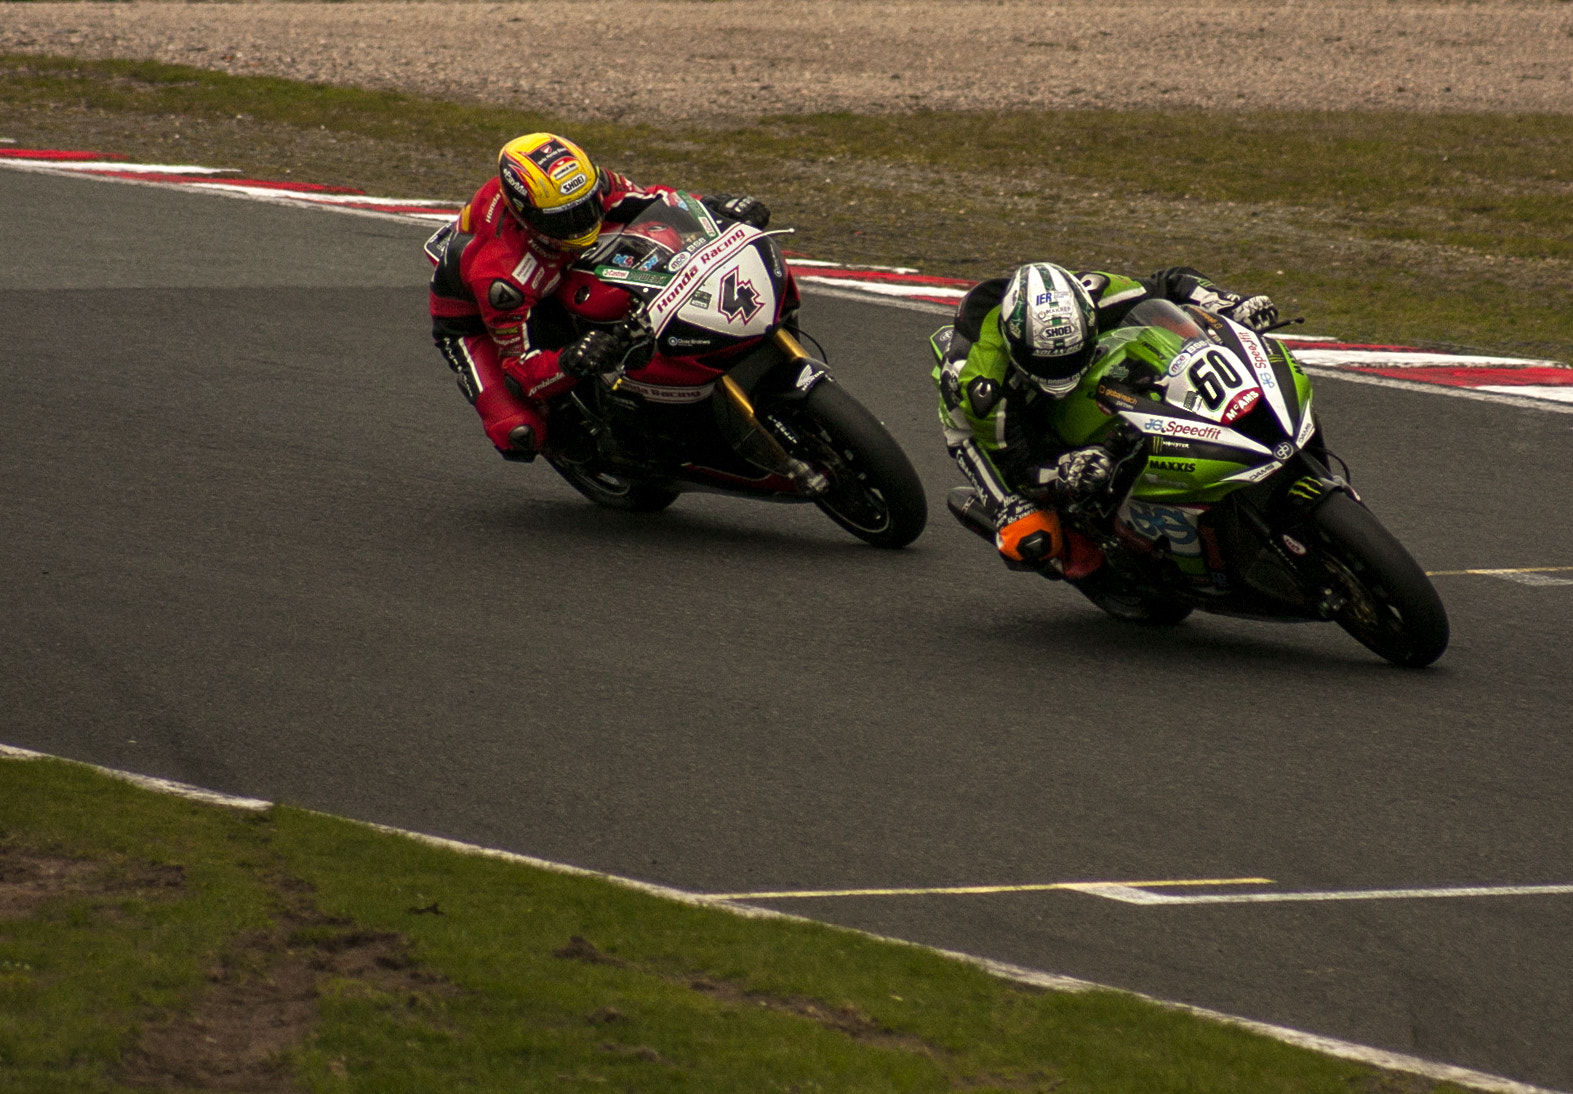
x,y
1184,429
1262,365
736,299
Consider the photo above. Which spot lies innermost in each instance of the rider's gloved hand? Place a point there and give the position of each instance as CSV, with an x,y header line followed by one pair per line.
x,y
1084,472
749,210
1023,533
1256,312
598,351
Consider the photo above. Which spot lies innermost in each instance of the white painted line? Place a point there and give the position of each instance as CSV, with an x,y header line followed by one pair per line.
x,y
1531,391
132,168
822,264
1474,394
148,782
1330,1046
981,890
1403,359
1524,575
826,287
885,288
267,197
1129,895
1530,578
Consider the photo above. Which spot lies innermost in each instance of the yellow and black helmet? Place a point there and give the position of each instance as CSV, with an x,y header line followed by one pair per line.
x,y
551,185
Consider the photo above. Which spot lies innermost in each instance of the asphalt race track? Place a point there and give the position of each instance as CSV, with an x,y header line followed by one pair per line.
x,y
252,538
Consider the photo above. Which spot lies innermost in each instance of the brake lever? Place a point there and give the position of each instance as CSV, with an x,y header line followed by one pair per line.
x,y
1284,323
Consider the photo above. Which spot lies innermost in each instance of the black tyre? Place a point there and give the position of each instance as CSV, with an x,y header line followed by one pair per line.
x,y
874,492
1130,606
1389,605
629,494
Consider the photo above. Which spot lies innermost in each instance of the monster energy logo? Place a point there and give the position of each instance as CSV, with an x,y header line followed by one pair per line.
x,y
1307,489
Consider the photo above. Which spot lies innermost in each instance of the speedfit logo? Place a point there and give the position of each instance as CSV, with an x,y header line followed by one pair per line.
x,y
1173,427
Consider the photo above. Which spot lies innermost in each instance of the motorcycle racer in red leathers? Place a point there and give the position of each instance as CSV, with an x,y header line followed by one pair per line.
x,y
505,255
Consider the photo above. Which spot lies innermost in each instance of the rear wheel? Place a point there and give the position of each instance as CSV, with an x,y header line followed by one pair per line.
x,y
1381,596
874,492
627,493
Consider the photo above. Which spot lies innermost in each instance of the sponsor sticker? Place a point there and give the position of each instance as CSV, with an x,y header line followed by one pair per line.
x,y
549,155
704,262
575,183
1175,427
659,394
1242,403
1187,356
1259,361
1166,522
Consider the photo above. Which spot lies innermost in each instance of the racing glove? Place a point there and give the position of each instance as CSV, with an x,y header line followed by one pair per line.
x,y
1083,472
1023,533
598,351
1256,312
749,210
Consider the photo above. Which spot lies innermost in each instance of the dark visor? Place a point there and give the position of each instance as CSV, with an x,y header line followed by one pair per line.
x,y
569,221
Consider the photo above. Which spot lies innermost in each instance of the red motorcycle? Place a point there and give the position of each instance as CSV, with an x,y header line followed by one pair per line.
x,y
715,393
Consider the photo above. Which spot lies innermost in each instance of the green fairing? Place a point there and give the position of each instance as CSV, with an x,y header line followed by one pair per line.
x,y
1079,419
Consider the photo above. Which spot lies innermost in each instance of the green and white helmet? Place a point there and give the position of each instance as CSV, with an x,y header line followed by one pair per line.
x,y
1050,324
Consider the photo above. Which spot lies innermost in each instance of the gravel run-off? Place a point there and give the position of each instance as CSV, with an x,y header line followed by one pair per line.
x,y
675,60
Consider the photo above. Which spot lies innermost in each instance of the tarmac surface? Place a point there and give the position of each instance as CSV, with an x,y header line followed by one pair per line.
x,y
255,541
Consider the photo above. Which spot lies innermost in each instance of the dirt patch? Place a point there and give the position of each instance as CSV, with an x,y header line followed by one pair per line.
x,y
29,879
668,60
263,1001
262,996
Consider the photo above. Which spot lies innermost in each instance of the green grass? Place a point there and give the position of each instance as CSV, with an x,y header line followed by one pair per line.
x,y
1436,229
183,925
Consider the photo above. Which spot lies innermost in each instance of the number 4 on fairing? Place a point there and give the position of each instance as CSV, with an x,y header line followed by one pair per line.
x,y
716,393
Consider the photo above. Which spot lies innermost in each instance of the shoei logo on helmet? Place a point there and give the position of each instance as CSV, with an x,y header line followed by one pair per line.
x,y
575,183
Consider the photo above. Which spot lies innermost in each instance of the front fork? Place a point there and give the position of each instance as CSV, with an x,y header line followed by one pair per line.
x,y
758,443
1283,524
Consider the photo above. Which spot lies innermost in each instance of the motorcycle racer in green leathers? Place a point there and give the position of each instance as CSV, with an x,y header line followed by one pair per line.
x,y
1019,345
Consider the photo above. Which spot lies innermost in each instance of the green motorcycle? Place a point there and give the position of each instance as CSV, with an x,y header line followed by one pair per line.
x,y
1223,497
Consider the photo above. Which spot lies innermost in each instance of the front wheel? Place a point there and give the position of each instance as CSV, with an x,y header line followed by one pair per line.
x,y
1382,597
874,493
625,492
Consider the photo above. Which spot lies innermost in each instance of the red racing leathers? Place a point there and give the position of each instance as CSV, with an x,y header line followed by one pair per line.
x,y
491,273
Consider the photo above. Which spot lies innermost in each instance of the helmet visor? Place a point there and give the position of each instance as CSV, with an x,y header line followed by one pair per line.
x,y
567,222
1059,374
